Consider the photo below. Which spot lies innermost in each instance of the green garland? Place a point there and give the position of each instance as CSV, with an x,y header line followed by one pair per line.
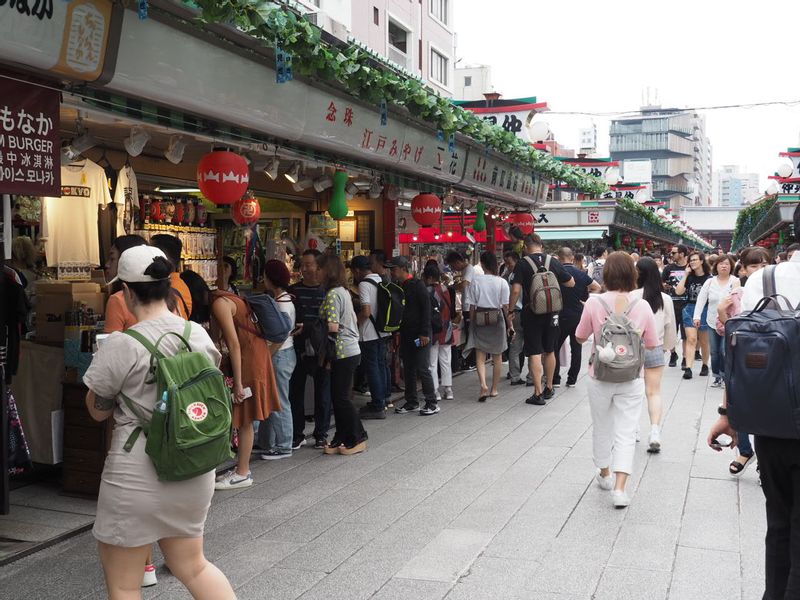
x,y
748,218
354,69
634,207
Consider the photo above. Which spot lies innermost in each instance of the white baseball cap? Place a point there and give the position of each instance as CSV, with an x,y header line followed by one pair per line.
x,y
134,262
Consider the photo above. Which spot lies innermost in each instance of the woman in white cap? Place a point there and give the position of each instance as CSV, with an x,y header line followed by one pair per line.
x,y
135,508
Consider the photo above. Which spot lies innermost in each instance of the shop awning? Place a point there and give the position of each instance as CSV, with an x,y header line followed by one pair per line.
x,y
570,233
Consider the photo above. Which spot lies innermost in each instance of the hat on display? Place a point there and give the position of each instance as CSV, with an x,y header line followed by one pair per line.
x,y
360,262
135,261
397,261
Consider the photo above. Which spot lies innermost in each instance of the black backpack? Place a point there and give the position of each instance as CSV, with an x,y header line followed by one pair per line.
x,y
391,302
437,325
762,366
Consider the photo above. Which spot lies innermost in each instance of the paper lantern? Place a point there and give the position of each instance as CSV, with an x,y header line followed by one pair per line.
x,y
426,209
223,176
523,220
245,211
626,240
337,208
480,217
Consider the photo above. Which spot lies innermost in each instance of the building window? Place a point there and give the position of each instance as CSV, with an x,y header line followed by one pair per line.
x,y
398,37
439,10
438,72
467,80
376,15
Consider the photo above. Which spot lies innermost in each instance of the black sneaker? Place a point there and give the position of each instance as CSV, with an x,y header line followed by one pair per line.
x,y
683,363
371,412
548,393
697,355
673,359
297,444
518,382
535,399
557,382
430,408
408,407
704,371
571,382
687,373
321,443
528,384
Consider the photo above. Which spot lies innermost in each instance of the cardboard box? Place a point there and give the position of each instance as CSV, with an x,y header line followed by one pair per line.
x,y
55,298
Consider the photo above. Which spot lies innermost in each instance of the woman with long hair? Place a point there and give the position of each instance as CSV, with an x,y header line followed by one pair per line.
x,y
201,297
135,508
650,286
337,311
442,342
487,297
697,272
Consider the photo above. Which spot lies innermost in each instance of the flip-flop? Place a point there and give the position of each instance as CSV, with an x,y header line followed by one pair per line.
x,y
495,395
482,398
736,468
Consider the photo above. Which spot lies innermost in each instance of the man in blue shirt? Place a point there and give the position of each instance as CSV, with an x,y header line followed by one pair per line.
x,y
573,298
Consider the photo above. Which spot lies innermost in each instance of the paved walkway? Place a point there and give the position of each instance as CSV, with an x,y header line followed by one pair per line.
x,y
481,501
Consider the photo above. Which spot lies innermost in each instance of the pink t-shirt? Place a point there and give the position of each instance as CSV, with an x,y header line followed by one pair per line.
x,y
594,315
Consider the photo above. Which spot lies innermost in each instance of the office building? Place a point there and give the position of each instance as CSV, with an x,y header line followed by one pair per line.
x,y
472,82
734,188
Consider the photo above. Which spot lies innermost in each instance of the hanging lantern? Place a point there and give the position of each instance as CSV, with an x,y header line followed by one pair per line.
x,y
426,209
245,211
626,240
223,176
337,208
480,217
523,220
775,237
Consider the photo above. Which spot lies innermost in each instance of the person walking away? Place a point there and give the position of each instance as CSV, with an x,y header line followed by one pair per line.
x,y
697,272
778,459
275,435
173,248
595,268
488,301
671,275
337,311
135,508
255,393
573,299
540,332
516,356
415,336
715,289
650,286
308,296
117,315
458,262
616,405
441,343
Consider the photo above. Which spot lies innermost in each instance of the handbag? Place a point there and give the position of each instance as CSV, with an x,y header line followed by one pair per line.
x,y
487,317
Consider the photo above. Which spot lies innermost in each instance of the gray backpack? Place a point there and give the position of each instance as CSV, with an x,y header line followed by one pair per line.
x,y
619,353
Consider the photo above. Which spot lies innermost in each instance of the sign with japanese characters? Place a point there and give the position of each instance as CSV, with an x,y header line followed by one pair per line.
x,y
499,178
514,122
69,38
29,139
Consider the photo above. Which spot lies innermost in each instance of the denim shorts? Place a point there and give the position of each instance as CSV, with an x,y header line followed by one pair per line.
x,y
654,358
688,316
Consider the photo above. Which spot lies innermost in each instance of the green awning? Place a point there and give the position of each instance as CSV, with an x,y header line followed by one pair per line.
x,y
571,233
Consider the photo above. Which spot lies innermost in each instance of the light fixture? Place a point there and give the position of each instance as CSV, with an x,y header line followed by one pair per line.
x,y
177,190
303,184
772,189
375,188
351,188
174,153
271,170
136,141
784,171
293,174
612,175
323,183
539,131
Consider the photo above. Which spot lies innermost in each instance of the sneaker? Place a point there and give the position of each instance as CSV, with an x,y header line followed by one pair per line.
x,y
320,443
535,399
297,444
571,382
233,481
517,382
704,371
358,448
654,446
687,373
275,455
717,382
508,375
605,483
557,382
149,578
697,355
548,393
528,384
371,412
448,393
429,409
673,359
438,397
683,363
408,407
620,499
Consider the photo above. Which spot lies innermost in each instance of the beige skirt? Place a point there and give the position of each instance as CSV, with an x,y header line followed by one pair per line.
x,y
490,339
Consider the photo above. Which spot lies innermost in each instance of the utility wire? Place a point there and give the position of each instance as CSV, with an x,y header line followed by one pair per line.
x,y
691,108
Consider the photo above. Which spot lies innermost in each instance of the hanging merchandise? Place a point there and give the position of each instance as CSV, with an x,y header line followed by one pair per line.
x,y
19,455
480,217
337,208
254,256
246,211
223,176
523,220
126,197
426,209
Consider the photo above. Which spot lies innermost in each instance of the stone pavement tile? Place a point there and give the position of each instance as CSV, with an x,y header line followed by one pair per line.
x,y
29,532
226,511
332,548
495,578
278,584
388,507
226,539
574,573
290,480
702,573
418,589
50,518
752,529
447,556
574,470
633,584
647,546
711,515
53,500
250,559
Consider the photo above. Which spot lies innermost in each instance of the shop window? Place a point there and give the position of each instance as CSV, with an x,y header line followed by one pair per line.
x,y
365,228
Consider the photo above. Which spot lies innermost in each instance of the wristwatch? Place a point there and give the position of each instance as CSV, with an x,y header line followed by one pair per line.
x,y
722,410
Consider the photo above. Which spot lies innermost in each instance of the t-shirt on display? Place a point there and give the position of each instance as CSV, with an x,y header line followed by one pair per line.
x,y
126,197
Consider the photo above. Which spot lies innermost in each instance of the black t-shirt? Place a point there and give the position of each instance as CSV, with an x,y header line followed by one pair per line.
x,y
672,276
523,273
573,297
307,300
417,311
694,283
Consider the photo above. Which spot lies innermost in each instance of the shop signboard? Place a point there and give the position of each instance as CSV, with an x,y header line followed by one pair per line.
x,y
69,38
500,178
29,139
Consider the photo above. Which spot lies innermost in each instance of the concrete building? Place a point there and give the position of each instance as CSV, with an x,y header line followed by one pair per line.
x,y
676,143
734,188
472,82
417,36
716,223
588,145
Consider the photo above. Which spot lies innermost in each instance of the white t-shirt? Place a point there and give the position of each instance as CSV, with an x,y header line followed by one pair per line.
x,y
126,196
69,223
487,291
368,294
665,319
285,305
787,283
468,275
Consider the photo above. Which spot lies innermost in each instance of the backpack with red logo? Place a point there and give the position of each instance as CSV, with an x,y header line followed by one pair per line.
x,y
189,431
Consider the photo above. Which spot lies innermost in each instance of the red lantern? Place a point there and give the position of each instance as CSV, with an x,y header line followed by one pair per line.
x,y
246,211
626,240
426,209
523,220
775,238
639,242
223,176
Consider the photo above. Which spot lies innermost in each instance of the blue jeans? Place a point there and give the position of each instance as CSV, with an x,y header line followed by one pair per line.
x,y
278,428
373,360
717,342
745,447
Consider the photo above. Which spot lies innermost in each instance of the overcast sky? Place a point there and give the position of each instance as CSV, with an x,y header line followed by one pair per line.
x,y
589,56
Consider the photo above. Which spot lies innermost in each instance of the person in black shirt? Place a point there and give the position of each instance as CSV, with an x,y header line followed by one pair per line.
x,y
573,298
540,332
671,275
415,337
696,274
307,296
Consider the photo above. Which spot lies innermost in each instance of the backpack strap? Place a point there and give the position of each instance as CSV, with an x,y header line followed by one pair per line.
x,y
143,424
768,280
531,262
547,263
185,306
631,304
605,305
153,350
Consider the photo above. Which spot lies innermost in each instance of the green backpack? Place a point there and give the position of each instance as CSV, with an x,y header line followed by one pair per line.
x,y
189,432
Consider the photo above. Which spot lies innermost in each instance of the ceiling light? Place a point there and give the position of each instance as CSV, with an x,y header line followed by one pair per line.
x,y
271,170
303,184
293,174
177,146
323,183
351,188
136,141
178,190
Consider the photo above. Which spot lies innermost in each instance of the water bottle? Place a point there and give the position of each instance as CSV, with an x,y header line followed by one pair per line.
x,y
162,405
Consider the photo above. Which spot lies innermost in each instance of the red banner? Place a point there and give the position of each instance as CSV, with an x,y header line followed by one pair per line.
x,y
30,148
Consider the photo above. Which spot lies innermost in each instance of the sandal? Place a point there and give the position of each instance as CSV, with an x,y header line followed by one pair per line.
x,y
736,468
